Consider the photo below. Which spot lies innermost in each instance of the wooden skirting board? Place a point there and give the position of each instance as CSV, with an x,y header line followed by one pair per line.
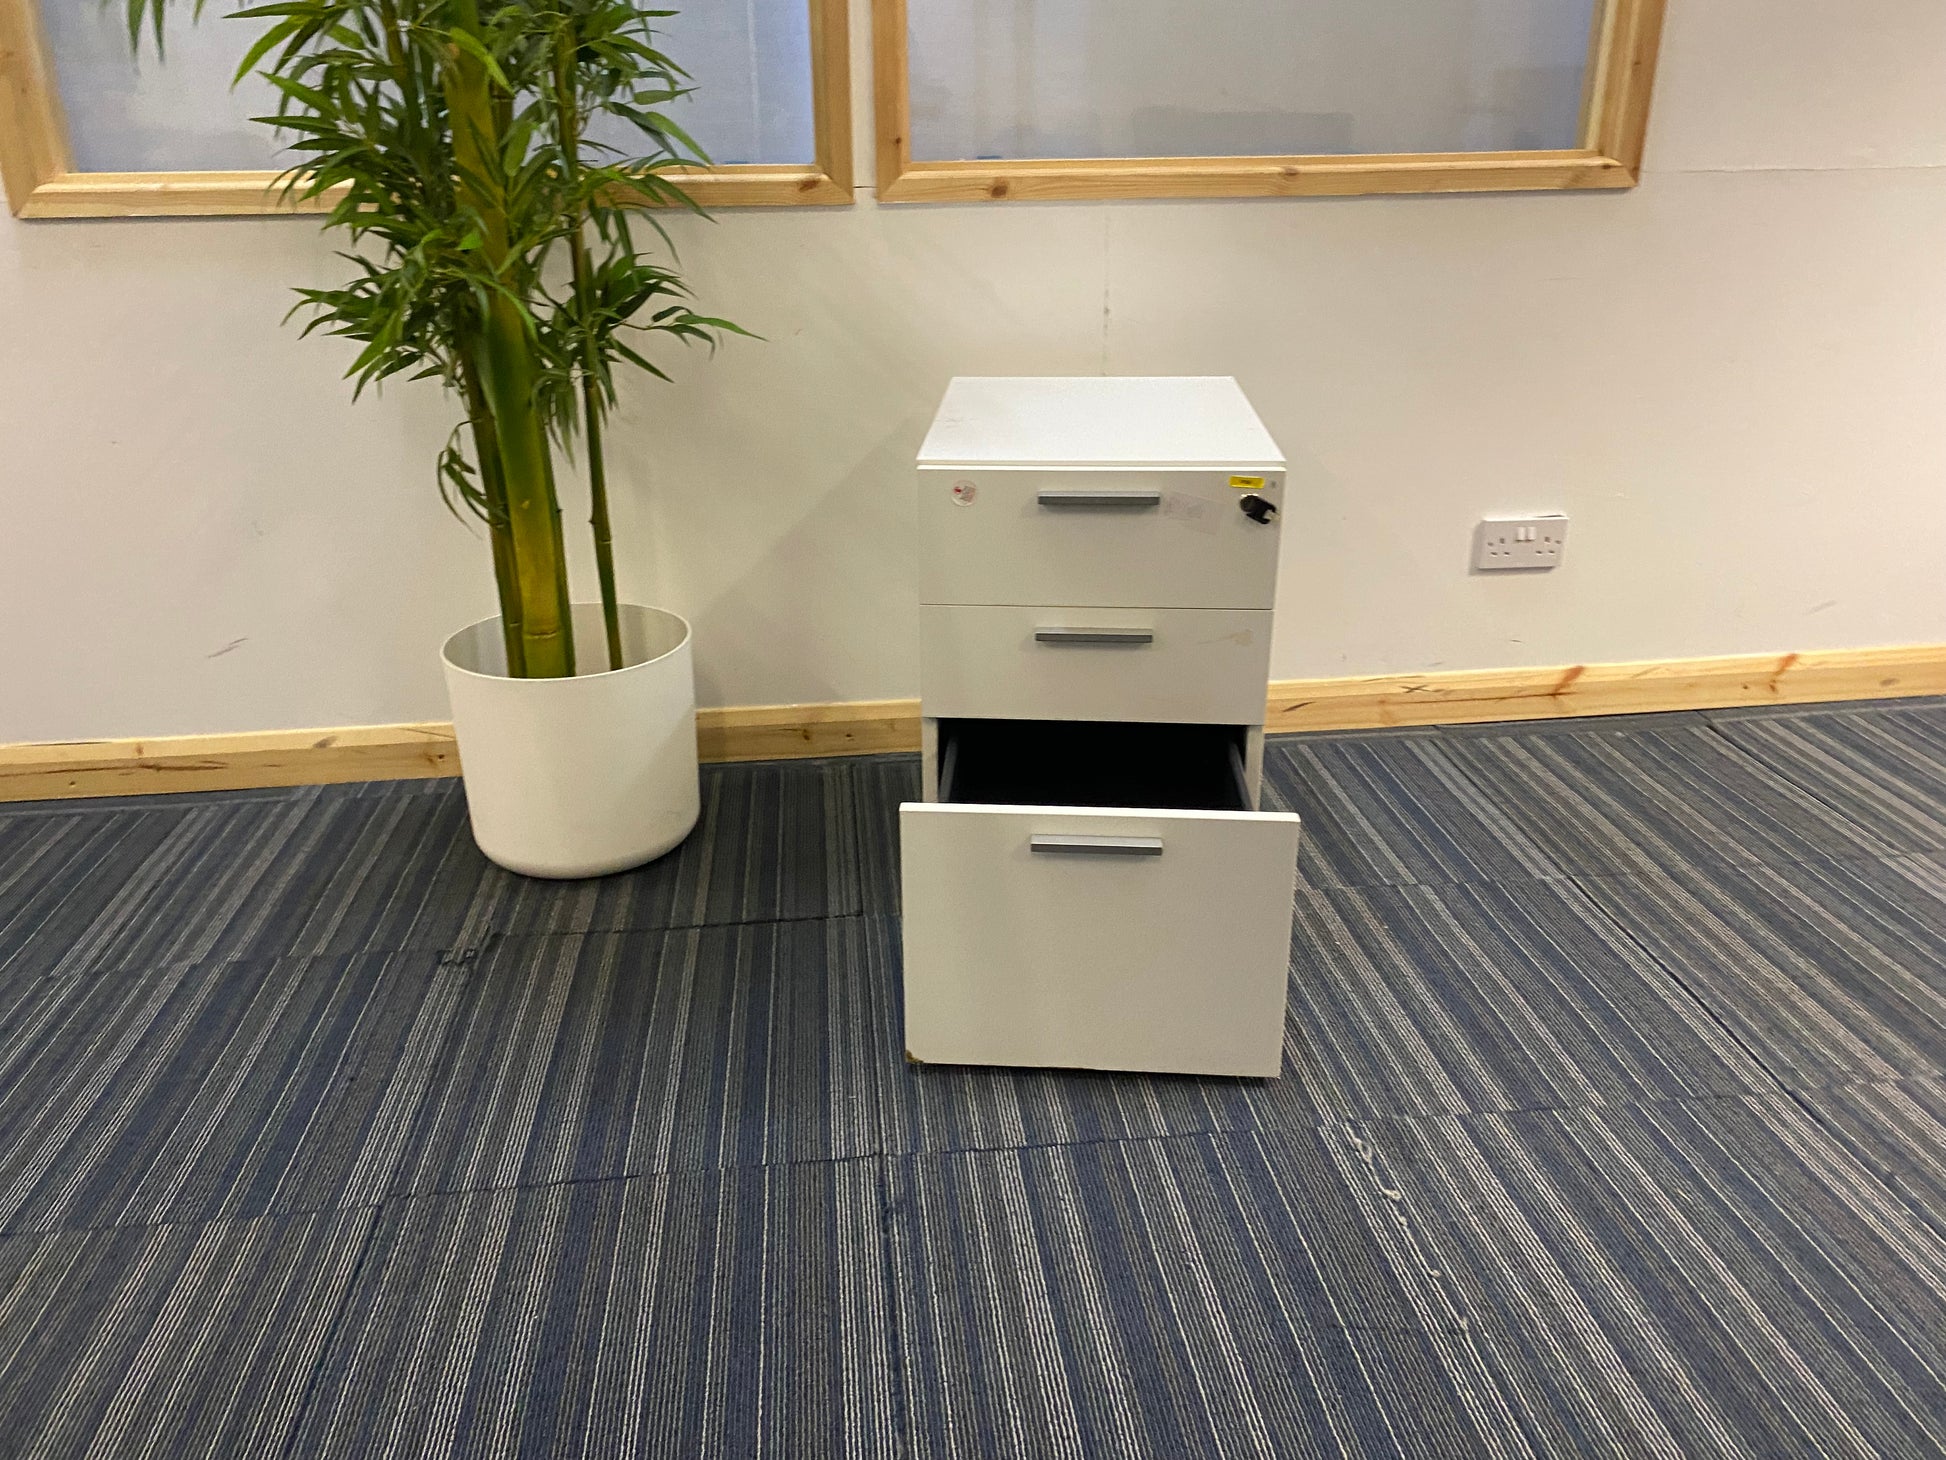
x,y
1472,696
784,732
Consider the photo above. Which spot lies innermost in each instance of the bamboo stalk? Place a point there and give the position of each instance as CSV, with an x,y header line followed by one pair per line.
x,y
604,533
533,515
592,404
493,484
560,558
508,373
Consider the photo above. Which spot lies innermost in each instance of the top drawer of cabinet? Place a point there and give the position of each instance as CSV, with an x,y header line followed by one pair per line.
x,y
1106,539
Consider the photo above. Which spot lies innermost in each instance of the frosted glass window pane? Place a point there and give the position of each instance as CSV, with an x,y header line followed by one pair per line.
x,y
138,114
750,61
1241,78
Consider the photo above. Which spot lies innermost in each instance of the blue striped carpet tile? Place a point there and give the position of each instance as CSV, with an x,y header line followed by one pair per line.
x,y
1653,800
882,783
171,1342
1578,725
777,840
1404,1001
1710,1278
319,870
566,1058
1393,808
1216,1295
1884,768
166,801
1923,717
1925,709
1828,972
58,873
1427,1000
284,1085
740,1313
197,1091
1896,1128
329,870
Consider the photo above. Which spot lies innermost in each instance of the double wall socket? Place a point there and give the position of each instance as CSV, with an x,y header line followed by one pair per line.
x,y
1520,542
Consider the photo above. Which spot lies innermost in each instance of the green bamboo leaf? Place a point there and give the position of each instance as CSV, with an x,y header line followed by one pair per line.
x,y
466,41
264,43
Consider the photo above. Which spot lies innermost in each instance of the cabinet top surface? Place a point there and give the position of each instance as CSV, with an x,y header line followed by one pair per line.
x,y
1164,422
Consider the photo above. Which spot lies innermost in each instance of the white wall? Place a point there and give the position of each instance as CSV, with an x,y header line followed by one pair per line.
x,y
1732,377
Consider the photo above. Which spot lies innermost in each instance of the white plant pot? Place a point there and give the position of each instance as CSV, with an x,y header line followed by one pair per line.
x,y
584,776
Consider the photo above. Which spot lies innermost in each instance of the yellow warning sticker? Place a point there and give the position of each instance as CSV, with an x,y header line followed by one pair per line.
x,y
1247,484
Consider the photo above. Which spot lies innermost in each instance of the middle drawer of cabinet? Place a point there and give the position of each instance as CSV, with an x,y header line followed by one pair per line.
x,y
1191,666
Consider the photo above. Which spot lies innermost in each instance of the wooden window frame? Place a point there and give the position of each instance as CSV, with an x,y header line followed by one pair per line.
x,y
1615,117
38,165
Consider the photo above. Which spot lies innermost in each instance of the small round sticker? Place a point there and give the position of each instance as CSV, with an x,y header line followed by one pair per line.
x,y
964,492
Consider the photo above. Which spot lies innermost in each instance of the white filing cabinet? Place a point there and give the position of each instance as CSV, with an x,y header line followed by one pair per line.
x,y
1088,882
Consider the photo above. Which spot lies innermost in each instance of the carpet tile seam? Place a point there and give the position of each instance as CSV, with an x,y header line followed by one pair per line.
x,y
446,951
1332,1122
1799,1100
1887,859
1030,1145
446,954
1886,1170
1783,773
166,1214
1689,990
332,1329
688,1173
433,1194
323,907
903,1419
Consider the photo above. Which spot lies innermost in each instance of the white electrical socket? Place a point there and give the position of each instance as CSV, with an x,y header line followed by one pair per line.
x,y
1520,542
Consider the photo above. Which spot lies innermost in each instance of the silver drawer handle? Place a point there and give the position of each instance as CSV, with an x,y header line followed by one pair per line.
x,y
1094,636
1096,846
1125,497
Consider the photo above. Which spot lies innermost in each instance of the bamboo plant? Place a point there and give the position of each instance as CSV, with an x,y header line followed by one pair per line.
x,y
468,138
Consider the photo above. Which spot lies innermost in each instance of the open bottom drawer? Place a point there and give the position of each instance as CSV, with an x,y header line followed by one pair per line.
x,y
1096,936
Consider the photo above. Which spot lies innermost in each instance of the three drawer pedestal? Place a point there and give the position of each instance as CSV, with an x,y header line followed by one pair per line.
x,y
1088,882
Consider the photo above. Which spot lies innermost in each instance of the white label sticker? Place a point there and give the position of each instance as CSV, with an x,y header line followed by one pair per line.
x,y
964,492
